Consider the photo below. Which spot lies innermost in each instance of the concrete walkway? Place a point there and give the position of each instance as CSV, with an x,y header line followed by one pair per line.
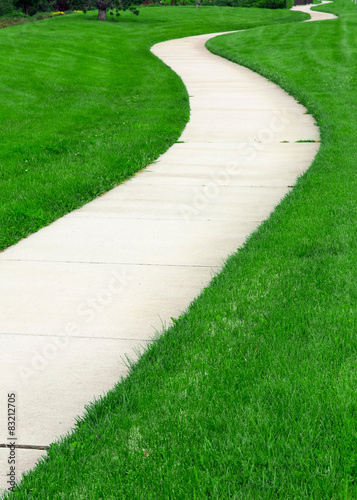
x,y
315,15
80,294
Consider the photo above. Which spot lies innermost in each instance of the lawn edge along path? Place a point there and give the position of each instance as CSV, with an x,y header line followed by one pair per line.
x,y
86,291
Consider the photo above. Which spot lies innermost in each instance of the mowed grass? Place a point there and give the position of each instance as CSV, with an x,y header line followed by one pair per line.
x,y
252,393
85,105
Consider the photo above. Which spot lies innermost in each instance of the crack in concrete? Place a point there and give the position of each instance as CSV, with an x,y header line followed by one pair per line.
x,y
25,446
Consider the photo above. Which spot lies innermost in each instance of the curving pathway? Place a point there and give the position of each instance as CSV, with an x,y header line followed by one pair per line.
x,y
81,293
315,15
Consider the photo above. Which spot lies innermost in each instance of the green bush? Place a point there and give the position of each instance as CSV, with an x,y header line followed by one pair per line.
x,y
266,4
20,18
6,7
263,4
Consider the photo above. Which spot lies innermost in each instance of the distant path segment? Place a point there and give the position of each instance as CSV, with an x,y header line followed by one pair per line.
x,y
82,293
315,15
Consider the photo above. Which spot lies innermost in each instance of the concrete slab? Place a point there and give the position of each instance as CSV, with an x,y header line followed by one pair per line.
x,y
243,165
127,302
247,98
244,103
199,175
253,126
55,377
134,241
234,154
212,201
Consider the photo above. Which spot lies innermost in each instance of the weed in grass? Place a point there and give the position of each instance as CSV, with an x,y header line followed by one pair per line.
x,y
308,140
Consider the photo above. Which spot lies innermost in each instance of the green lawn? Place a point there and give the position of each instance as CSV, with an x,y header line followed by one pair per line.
x,y
252,393
84,105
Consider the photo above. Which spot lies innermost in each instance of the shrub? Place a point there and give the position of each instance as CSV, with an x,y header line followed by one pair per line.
x,y
31,7
61,5
6,7
268,4
263,4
